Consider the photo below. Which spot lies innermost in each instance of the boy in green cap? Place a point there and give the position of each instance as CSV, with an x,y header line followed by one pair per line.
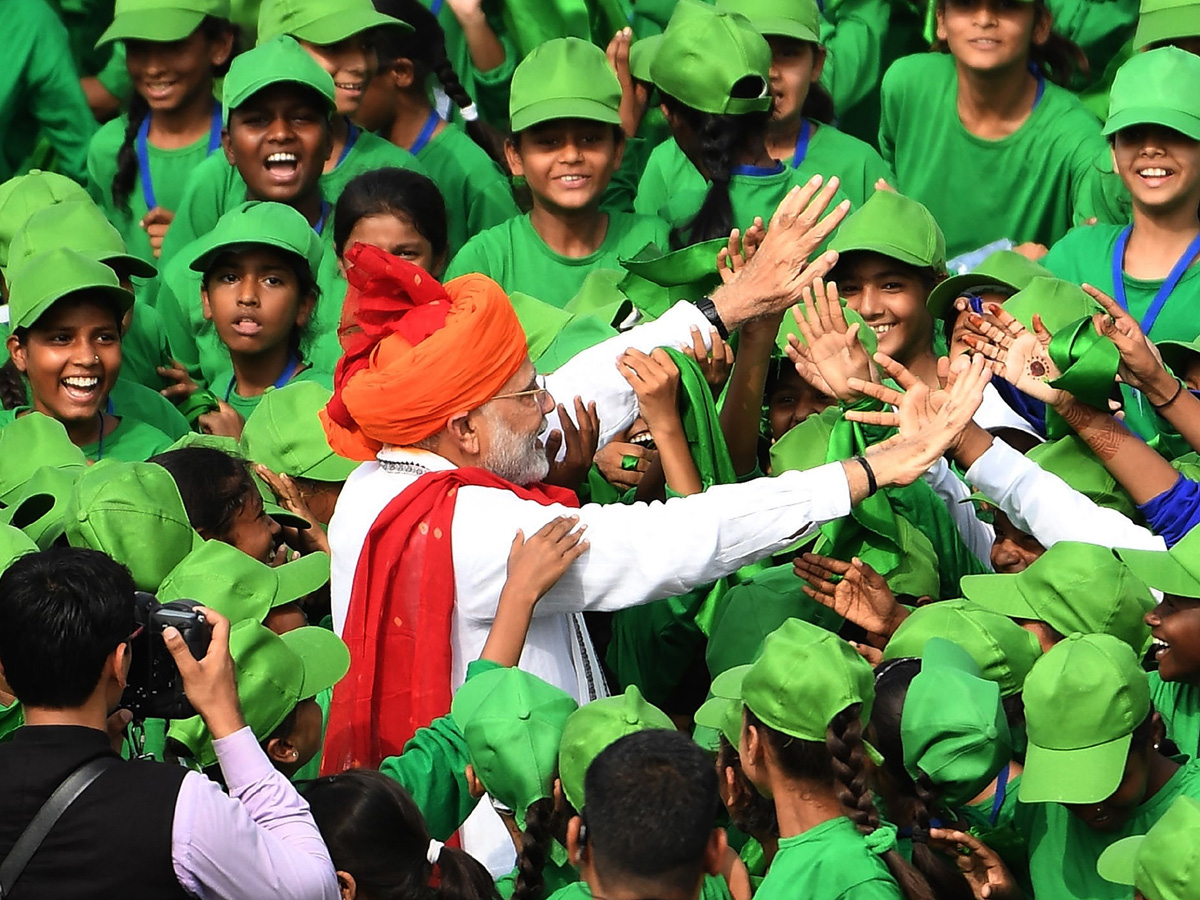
x,y
1153,129
139,162
1162,864
62,292
566,143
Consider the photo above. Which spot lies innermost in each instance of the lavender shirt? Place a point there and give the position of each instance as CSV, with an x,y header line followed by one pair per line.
x,y
258,841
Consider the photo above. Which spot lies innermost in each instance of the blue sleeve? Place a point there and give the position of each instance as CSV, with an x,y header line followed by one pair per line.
x,y
1174,512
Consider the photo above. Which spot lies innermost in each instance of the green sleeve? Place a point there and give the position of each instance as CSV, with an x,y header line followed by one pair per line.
x,y
176,327
144,348
490,205
115,76
653,189
204,200
889,110
432,769
622,191
473,257
493,86
853,65
1097,191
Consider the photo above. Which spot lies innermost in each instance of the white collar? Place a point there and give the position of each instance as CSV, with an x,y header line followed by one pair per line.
x,y
414,458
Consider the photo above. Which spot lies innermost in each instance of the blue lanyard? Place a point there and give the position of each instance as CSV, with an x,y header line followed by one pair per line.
x,y
288,372
1001,792
142,145
1041,86
757,171
1164,292
351,138
802,143
427,130
320,226
436,6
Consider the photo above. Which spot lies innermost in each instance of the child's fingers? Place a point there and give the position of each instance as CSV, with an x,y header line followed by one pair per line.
x,y
837,566
902,376
864,417
1110,305
698,348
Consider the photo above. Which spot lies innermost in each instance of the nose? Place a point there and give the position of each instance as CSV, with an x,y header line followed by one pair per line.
x,y
548,403
570,150
280,130
869,305
247,291
1004,555
85,353
1152,618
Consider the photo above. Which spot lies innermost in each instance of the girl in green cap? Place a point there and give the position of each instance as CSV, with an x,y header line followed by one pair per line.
x,y
139,162
566,143
463,163
986,105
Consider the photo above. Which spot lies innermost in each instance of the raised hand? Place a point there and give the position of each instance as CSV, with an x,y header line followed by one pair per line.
x,y
732,258
861,596
1020,357
655,381
581,441
985,872
714,364
290,498
623,464
536,563
634,97
1141,365
833,347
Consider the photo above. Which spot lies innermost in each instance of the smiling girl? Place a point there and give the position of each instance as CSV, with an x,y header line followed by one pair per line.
x,y
139,162
66,341
566,143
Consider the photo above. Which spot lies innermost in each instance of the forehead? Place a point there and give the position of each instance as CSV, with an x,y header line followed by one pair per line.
x,y
865,265
521,379
288,95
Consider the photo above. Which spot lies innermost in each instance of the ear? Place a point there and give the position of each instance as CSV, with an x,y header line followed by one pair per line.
x,y
16,352
513,156
941,22
819,57
221,49
281,752
347,886
227,146
619,151
304,311
205,306
1042,26
474,785
463,432
122,659
403,74
1158,731
576,847
714,852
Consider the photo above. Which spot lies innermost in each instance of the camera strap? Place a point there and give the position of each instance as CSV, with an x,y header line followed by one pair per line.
x,y
35,832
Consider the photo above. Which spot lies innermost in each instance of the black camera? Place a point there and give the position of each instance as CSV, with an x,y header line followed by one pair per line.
x,y
155,688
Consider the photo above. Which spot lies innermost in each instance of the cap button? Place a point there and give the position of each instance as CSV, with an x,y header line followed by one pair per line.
x,y
523,715
1075,636
990,733
630,717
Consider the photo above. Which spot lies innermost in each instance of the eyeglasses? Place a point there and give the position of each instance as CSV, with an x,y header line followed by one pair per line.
x,y
537,394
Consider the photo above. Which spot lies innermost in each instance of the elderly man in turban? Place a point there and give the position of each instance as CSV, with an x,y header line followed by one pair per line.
x,y
437,393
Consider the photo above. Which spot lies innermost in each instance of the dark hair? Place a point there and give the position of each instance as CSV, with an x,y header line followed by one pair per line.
x,y
214,486
841,761
755,814
541,827
62,612
214,29
375,832
425,48
918,801
652,804
1060,59
718,140
396,192
14,391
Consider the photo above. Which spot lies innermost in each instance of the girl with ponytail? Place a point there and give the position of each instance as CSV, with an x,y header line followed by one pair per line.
x,y
806,701
138,163
465,166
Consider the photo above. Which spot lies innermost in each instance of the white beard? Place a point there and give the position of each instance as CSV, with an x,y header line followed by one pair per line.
x,y
514,457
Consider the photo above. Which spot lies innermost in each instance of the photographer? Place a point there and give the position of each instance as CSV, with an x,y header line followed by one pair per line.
x,y
141,829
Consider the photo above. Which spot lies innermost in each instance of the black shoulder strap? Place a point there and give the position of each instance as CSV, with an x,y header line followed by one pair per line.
x,y
35,832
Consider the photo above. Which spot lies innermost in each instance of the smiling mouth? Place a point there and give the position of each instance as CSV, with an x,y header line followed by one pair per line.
x,y
351,87
1159,647
81,388
1155,173
282,165
881,330
572,180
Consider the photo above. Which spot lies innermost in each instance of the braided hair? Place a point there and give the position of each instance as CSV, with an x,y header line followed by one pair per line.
x,y
535,850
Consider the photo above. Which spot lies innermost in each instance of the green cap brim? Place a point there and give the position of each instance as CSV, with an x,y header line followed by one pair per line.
x,y
159,25
782,26
1160,570
1086,775
888,250
1183,122
325,657
940,302
1166,25
284,517
119,295
300,577
342,24
28,510
564,108
332,468
999,593
210,248
706,738
132,264
641,54
262,82
714,713
1118,862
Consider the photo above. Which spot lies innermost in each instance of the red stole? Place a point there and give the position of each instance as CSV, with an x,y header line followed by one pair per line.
x,y
398,623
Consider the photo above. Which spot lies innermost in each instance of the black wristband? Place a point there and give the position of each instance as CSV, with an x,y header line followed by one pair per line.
x,y
1174,397
872,484
706,306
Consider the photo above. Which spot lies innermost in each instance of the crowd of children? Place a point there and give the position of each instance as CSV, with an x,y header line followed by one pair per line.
x,y
981,684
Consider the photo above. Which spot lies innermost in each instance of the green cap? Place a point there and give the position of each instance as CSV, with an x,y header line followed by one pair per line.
x,y
1083,700
1158,87
41,281
705,54
54,485
82,227
1176,354
1175,571
1004,268
1058,302
513,724
1003,651
1073,461
564,78
799,19
722,711
1072,587
24,195
321,21
274,673
14,543
116,508
895,226
162,21
804,678
278,60
641,54
29,443
593,727
952,726
238,586
1166,20
1163,863
285,435
261,223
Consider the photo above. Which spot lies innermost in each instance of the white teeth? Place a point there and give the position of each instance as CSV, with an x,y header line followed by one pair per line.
x,y
348,85
882,329
1154,173
282,157
81,382
1158,644
572,178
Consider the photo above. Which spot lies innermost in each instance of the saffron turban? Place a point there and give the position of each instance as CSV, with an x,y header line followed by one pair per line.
x,y
415,353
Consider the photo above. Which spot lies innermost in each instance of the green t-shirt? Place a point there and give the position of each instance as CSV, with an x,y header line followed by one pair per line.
x,y
1085,255
514,256
169,171
1063,850
476,191
830,862
40,92
215,187
144,347
557,874
671,187
712,888
133,400
130,441
1051,173
225,387
1179,705
1098,27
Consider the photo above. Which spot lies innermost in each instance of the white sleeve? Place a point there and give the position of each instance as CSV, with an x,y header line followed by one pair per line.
x,y
1045,506
976,534
644,551
592,374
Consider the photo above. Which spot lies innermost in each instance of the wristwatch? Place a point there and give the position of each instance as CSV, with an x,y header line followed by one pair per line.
x,y
706,306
